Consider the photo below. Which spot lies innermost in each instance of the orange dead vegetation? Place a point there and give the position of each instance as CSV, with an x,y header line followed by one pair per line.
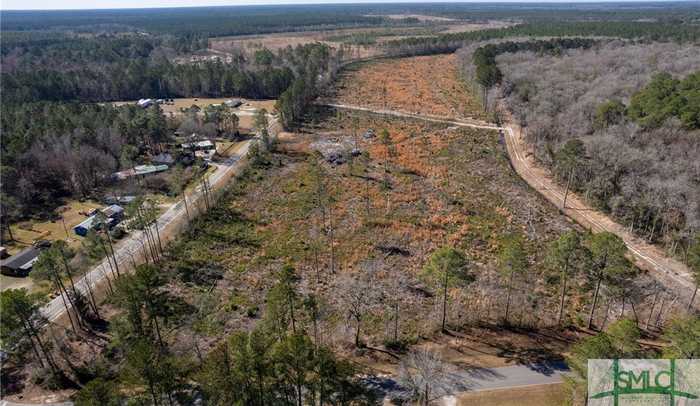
x,y
422,84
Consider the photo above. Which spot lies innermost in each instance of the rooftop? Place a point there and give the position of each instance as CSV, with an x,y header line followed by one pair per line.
x,y
22,260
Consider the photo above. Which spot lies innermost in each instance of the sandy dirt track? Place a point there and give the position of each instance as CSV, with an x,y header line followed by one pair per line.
x,y
646,256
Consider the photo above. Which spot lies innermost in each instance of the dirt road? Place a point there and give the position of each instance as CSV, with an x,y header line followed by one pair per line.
x,y
646,256
424,117
669,271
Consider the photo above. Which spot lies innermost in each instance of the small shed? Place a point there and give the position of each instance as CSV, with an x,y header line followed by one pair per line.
x,y
205,145
83,228
21,263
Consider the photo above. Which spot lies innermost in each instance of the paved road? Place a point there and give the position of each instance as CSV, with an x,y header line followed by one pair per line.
x,y
462,380
646,255
129,248
479,379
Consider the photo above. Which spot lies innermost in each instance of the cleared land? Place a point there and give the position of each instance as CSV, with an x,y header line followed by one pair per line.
x,y
245,112
376,217
72,213
426,84
381,216
365,42
389,212
670,272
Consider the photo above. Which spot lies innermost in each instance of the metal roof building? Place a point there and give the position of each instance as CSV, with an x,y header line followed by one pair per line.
x,y
21,263
139,170
113,213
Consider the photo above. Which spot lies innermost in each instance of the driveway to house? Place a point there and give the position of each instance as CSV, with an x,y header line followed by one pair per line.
x,y
671,272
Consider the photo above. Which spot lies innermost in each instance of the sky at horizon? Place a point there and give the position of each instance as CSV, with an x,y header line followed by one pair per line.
x,y
125,4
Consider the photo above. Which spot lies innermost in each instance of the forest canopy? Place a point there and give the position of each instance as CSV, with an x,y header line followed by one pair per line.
x,y
620,120
665,97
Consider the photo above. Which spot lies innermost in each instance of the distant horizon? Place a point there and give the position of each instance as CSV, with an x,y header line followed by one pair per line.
x,y
87,5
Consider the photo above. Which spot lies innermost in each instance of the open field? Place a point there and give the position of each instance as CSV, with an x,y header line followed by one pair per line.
x,y
72,213
425,84
246,110
372,38
278,41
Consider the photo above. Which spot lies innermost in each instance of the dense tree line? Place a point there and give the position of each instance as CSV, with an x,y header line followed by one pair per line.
x,y
59,149
217,21
32,50
129,80
617,133
197,21
652,31
277,362
317,67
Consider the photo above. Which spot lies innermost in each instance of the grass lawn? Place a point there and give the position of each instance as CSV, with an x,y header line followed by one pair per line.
x,y
73,213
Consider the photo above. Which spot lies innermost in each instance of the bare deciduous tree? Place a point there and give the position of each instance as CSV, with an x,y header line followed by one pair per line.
x,y
358,296
426,376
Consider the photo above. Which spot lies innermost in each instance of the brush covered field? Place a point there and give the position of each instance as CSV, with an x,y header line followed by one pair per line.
x,y
357,215
425,84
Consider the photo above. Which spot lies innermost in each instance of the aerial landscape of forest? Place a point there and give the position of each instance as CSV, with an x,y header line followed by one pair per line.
x,y
347,204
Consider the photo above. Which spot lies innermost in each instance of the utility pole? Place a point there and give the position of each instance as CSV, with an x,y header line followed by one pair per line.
x,y
568,185
187,209
63,220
